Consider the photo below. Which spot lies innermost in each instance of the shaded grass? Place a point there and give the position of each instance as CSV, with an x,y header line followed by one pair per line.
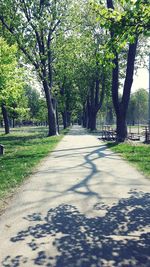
x,y
24,148
138,154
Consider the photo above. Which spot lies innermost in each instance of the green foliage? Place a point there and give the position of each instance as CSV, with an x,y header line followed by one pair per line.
x,y
34,103
70,45
33,24
11,79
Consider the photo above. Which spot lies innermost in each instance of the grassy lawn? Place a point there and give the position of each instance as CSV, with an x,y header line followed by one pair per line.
x,y
138,154
24,148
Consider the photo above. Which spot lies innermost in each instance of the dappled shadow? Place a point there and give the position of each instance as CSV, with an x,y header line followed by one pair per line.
x,y
119,238
89,163
76,148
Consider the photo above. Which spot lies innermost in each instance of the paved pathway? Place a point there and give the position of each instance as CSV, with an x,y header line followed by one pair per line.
x,y
83,207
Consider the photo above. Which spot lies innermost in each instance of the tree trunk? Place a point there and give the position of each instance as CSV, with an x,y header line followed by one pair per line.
x,y
1,123
121,107
64,117
93,121
51,112
57,118
13,122
6,120
54,102
121,128
68,119
85,117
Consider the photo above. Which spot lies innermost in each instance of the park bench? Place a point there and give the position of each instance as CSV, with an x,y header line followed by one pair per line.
x,y
1,149
108,133
134,136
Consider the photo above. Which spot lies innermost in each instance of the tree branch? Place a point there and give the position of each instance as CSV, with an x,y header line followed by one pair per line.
x,y
22,48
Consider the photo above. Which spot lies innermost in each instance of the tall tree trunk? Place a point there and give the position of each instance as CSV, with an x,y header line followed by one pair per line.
x,y
122,106
121,127
54,102
93,121
57,118
13,122
94,101
88,114
84,116
64,117
51,112
68,118
6,120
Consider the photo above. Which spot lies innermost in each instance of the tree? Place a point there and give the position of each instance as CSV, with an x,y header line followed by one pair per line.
x,y
92,74
36,105
11,82
34,26
125,22
65,67
138,107
18,111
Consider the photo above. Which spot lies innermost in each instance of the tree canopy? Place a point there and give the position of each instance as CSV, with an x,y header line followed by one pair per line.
x,y
83,52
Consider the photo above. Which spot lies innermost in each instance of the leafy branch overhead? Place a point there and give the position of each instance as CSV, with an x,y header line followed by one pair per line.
x,y
126,19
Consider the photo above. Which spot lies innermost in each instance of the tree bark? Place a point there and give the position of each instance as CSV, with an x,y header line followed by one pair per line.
x,y
51,112
64,117
68,118
1,123
85,116
6,120
122,107
95,100
93,121
121,128
91,118
13,122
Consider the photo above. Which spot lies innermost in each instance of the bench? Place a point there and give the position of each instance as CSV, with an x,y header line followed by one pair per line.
x,y
108,133
134,136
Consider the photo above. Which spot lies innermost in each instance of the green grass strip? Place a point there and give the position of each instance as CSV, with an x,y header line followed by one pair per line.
x,y
137,154
24,148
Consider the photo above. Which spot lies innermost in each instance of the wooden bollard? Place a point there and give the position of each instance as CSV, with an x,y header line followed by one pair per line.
x,y
1,150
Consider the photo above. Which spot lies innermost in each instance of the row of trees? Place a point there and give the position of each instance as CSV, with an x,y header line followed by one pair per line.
x,y
82,51
18,101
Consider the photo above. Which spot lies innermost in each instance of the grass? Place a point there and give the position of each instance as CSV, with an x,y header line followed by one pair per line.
x,y
137,154
24,148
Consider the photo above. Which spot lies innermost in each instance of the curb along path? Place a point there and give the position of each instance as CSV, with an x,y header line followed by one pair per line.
x,y
84,207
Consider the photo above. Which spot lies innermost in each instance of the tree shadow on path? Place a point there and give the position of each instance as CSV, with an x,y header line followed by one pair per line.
x,y
118,238
83,186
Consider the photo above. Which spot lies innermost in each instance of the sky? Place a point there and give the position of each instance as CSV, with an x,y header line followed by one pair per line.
x,y
141,79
